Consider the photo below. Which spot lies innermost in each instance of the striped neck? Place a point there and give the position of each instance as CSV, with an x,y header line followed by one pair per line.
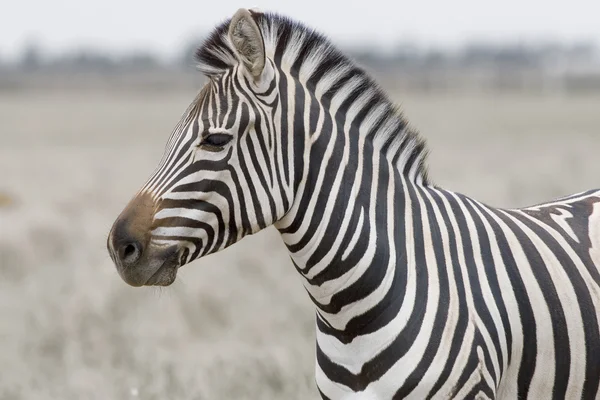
x,y
353,264
346,156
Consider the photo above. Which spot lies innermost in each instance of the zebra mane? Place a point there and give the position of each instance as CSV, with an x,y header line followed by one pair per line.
x,y
311,57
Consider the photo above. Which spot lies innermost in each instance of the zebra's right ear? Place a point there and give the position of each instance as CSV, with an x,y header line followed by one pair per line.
x,y
248,43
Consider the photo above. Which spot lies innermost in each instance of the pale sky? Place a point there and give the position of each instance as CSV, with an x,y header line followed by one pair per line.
x,y
164,26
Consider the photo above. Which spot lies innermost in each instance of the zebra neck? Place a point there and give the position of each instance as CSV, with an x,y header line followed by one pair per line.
x,y
350,248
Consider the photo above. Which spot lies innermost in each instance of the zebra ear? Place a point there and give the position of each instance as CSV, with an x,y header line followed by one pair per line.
x,y
247,41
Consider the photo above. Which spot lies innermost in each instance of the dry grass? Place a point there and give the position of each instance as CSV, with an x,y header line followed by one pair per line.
x,y
234,325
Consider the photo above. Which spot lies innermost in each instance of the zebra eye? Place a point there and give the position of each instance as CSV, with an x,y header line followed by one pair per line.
x,y
216,141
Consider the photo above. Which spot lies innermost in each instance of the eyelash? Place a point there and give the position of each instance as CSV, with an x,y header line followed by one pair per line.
x,y
215,141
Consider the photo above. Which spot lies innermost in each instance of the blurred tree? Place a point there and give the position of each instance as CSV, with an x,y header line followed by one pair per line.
x,y
141,60
584,51
31,57
187,59
84,60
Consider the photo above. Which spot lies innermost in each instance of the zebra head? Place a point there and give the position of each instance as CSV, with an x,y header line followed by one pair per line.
x,y
220,176
286,130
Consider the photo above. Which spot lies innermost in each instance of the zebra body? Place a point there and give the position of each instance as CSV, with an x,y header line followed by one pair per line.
x,y
466,324
419,292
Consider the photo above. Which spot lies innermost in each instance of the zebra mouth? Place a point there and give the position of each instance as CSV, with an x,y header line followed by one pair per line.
x,y
167,272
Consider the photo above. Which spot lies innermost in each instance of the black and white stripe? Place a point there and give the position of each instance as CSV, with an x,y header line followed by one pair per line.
x,y
420,292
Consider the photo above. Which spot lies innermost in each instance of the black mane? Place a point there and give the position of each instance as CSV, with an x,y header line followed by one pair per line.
x,y
283,35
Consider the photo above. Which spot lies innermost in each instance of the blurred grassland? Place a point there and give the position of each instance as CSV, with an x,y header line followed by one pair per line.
x,y
236,325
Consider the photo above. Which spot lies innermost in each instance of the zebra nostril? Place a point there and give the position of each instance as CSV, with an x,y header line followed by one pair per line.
x,y
130,253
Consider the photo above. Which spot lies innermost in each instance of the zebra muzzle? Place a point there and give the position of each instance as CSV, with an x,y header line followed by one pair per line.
x,y
138,260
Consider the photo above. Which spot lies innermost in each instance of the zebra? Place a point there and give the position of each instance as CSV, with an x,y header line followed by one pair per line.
x,y
419,292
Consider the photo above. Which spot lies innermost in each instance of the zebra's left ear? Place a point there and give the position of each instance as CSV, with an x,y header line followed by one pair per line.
x,y
248,43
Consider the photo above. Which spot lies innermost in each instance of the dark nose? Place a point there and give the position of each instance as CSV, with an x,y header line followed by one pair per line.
x,y
129,239
125,249
129,253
